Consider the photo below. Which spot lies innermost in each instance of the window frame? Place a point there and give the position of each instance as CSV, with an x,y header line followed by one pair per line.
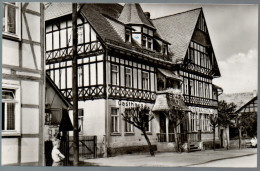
x,y
17,114
117,74
17,33
129,125
145,79
113,127
130,77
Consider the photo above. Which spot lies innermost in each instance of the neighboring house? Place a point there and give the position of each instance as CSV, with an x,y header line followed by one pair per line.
x,y
56,120
126,59
23,83
245,103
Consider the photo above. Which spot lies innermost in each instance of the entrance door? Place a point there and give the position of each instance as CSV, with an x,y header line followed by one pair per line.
x,y
221,138
162,136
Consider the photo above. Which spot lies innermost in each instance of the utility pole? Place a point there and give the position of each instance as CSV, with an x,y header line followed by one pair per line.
x,y
75,86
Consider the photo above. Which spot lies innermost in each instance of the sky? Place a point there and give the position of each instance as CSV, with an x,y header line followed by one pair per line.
x,y
233,31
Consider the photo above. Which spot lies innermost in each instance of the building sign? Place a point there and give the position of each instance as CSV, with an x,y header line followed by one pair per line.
x,y
129,103
202,110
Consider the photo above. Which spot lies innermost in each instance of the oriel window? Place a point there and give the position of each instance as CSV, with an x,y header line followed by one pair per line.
x,y
149,43
127,35
144,41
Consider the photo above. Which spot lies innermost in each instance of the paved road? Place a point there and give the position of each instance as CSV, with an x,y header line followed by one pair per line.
x,y
247,161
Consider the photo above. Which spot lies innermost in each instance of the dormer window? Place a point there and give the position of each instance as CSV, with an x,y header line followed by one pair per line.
x,y
149,43
144,41
127,35
164,48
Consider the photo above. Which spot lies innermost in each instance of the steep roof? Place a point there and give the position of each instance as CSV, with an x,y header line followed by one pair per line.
x,y
239,99
55,10
178,30
133,14
93,13
252,100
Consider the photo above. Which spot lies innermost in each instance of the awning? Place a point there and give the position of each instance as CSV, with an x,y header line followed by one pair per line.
x,y
161,103
165,101
169,74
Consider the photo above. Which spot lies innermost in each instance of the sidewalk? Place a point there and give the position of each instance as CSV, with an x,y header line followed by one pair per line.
x,y
169,159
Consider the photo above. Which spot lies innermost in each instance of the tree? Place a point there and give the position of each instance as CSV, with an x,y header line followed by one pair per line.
x,y
224,115
140,118
247,122
177,117
213,123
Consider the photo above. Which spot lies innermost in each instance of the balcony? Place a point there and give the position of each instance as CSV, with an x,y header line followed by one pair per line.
x,y
200,101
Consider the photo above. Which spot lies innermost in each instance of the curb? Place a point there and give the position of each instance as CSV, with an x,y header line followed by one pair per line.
x,y
219,159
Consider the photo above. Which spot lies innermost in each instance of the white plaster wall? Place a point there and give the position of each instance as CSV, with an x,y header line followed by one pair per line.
x,y
27,56
9,151
10,52
131,140
94,118
30,121
34,27
30,92
35,6
29,150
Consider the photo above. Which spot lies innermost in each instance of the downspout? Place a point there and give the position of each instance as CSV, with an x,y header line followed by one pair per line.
x,y
107,137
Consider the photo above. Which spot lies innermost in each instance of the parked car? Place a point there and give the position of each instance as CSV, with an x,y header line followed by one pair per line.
x,y
254,142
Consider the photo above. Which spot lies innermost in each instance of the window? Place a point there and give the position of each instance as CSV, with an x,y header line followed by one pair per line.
x,y
80,75
10,18
206,90
80,120
80,35
114,120
10,117
128,77
149,43
200,90
129,128
115,75
145,80
185,84
147,124
127,35
144,41
193,122
164,49
191,88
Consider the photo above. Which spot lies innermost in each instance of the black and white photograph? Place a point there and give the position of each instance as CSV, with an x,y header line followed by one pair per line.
x,y
129,84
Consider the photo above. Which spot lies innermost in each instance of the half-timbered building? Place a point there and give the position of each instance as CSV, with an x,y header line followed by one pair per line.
x,y
23,68
126,59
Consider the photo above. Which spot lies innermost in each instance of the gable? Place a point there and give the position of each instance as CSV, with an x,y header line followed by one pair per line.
x,y
177,29
201,44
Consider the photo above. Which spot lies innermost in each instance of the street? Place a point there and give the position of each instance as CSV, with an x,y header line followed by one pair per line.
x,y
208,158
246,161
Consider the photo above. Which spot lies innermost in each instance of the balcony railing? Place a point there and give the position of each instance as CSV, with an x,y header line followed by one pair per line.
x,y
200,101
183,137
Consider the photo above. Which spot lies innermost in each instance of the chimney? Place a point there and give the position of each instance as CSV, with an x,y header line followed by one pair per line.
x,y
254,93
147,15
